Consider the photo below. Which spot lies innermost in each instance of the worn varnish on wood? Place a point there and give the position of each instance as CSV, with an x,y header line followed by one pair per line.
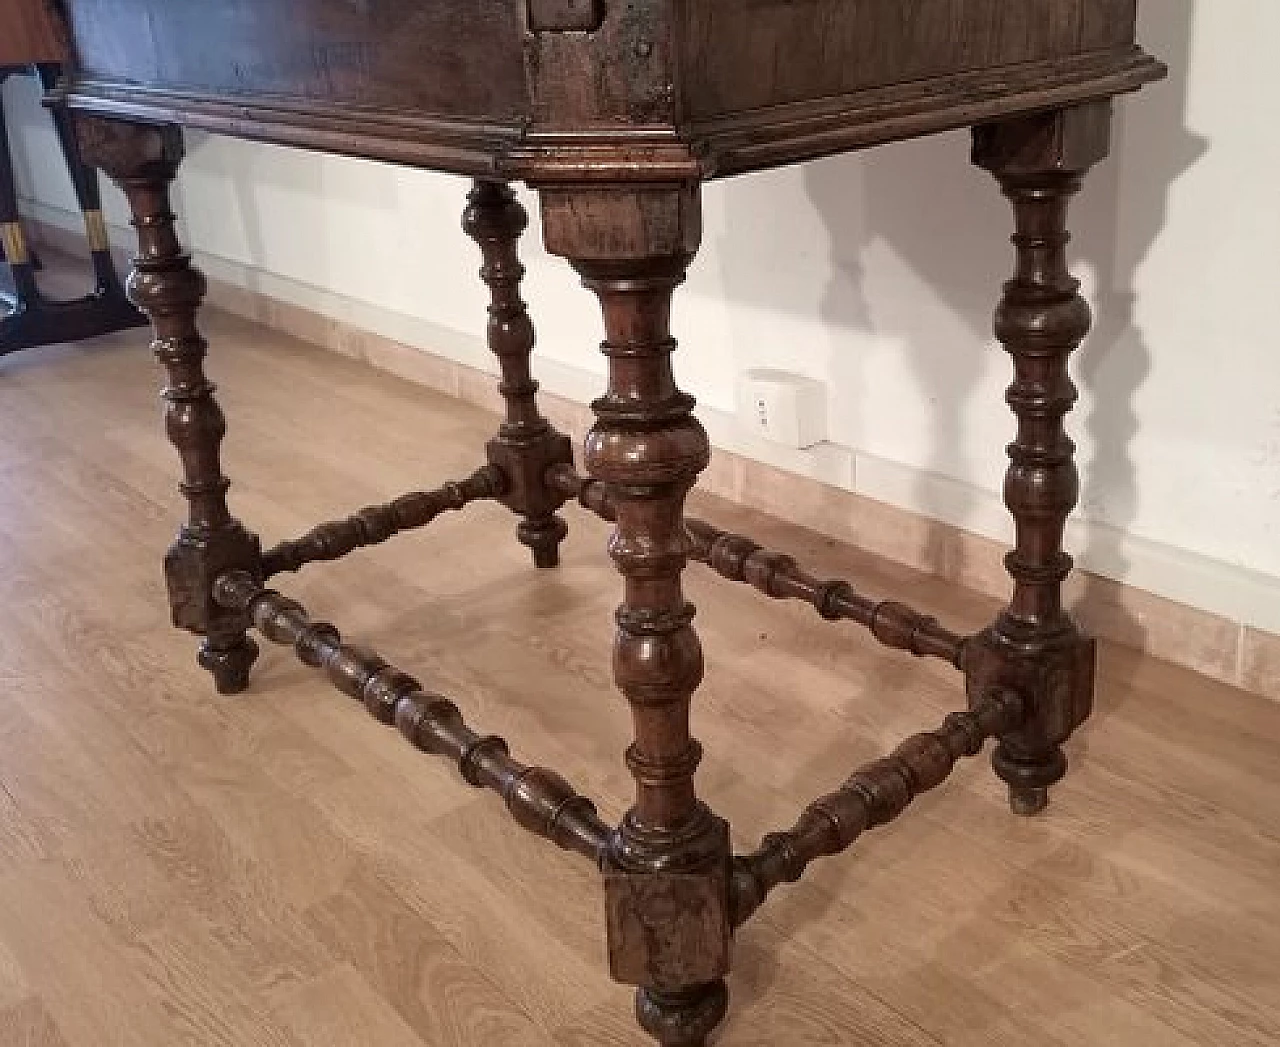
x,y
617,113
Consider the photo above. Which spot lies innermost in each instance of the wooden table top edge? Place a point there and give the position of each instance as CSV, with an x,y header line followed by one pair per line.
x,y
751,140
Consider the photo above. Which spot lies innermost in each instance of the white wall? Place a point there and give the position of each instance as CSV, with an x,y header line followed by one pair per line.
x,y
877,274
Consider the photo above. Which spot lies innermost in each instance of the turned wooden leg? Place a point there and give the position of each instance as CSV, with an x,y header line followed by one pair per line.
x,y
1033,646
526,445
143,160
666,887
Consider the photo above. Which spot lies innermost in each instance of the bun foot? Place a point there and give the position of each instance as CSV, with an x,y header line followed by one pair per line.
x,y
1029,777
543,536
682,1019
230,666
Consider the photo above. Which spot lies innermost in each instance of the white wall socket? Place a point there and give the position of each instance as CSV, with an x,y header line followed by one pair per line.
x,y
783,407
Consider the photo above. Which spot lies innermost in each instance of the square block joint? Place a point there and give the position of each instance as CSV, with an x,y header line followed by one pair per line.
x,y
668,931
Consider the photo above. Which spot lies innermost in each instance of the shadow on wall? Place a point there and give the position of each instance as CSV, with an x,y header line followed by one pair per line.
x,y
243,168
310,218
1153,147
947,224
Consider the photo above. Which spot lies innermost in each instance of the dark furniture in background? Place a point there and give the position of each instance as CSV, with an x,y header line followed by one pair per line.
x,y
616,113
33,39
27,317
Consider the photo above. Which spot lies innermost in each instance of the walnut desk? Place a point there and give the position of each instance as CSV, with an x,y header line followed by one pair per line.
x,y
616,112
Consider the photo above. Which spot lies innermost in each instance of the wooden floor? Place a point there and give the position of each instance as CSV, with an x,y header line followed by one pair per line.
x,y
277,870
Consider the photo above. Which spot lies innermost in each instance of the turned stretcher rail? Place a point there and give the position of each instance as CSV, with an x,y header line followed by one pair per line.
x,y
777,575
539,799
377,523
873,795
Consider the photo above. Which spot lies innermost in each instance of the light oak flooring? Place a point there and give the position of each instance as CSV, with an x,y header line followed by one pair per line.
x,y
276,869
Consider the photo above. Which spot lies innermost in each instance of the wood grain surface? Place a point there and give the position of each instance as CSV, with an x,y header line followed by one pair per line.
x,y
555,91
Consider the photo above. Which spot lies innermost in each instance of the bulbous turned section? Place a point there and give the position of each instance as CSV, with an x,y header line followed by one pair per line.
x,y
675,453
175,286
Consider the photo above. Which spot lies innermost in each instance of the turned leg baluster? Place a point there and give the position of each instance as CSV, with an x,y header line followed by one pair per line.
x,y
1034,646
526,445
667,893
143,160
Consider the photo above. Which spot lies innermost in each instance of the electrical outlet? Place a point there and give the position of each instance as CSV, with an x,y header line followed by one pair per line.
x,y
786,408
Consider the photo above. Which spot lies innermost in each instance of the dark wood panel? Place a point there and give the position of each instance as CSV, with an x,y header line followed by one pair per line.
x,y
619,75
701,88
31,31
743,54
447,57
783,134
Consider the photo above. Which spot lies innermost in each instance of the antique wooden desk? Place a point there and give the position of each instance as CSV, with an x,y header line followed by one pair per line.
x,y
616,113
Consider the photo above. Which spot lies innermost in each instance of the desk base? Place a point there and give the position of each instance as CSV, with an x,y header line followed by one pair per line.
x,y
675,892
